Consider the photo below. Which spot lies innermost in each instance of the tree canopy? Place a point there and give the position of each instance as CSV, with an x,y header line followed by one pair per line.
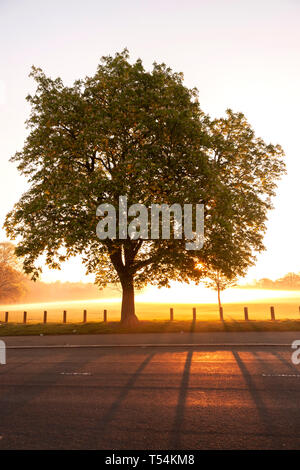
x,y
142,134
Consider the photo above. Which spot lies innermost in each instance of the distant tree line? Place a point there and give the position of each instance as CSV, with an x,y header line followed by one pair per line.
x,y
289,281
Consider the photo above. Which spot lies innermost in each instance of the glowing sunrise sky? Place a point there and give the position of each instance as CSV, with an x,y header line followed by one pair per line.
x,y
238,53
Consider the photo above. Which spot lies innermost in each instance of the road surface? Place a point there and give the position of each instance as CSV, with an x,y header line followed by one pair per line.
x,y
150,397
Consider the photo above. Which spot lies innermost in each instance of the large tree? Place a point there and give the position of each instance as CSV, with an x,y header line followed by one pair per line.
x,y
128,131
249,169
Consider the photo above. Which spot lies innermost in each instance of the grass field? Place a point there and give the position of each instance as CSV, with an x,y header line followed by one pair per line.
x,y
18,329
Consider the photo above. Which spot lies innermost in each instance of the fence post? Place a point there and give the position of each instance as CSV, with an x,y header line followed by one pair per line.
x,y
24,317
272,313
45,316
171,314
105,316
194,314
65,317
6,317
221,313
246,313
84,316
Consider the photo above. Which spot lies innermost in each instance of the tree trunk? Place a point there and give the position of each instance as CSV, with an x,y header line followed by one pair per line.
x,y
219,300
128,317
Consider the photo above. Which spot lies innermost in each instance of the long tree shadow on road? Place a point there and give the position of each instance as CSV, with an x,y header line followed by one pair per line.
x,y
178,425
264,416
111,412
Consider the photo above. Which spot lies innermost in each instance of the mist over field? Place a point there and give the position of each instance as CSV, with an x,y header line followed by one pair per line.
x,y
56,291
151,304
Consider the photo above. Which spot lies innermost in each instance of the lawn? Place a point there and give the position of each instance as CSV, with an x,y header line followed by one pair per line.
x,y
18,329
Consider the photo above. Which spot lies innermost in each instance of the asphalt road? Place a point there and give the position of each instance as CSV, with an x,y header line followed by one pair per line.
x,y
171,397
212,337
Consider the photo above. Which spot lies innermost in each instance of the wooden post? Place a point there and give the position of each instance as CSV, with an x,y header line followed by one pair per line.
x,y
246,313
221,314
171,314
105,316
45,316
65,317
6,317
272,313
194,314
84,316
24,317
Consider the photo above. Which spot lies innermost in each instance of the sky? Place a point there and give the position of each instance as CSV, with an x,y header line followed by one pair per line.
x,y
239,54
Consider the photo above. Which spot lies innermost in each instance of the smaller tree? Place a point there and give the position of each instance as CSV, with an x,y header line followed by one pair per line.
x,y
12,279
218,281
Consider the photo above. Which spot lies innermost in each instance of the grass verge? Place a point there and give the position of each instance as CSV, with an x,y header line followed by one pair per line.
x,y
17,329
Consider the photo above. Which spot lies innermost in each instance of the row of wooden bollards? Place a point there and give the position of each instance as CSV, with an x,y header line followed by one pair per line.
x,y
272,310
64,316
